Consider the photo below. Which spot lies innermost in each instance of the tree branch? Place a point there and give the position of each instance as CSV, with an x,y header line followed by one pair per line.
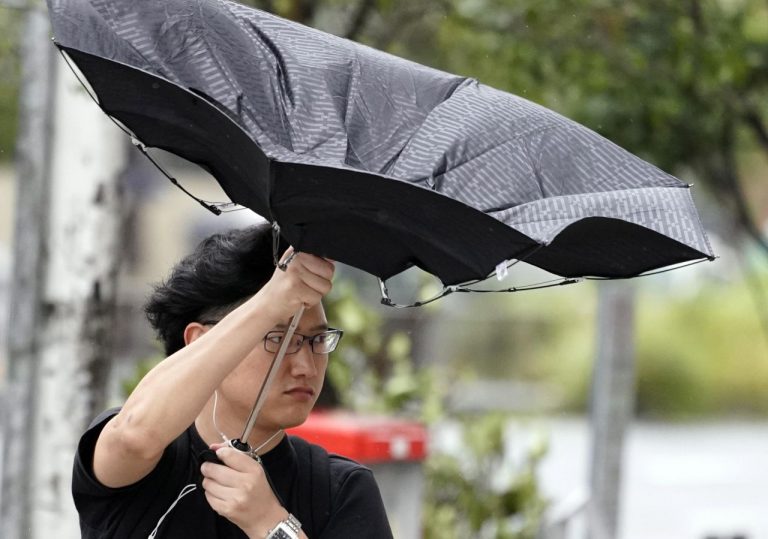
x,y
697,16
759,295
359,19
303,11
755,122
729,178
731,182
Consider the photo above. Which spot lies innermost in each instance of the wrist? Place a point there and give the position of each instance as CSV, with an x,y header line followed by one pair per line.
x,y
270,309
267,522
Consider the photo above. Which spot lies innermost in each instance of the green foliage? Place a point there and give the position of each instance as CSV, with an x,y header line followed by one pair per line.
x,y
464,495
543,337
372,370
641,73
701,355
142,368
682,84
10,21
472,496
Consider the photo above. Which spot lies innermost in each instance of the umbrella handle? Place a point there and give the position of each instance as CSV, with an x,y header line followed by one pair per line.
x,y
242,442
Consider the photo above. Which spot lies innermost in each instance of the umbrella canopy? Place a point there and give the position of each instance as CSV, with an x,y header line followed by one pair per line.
x,y
370,159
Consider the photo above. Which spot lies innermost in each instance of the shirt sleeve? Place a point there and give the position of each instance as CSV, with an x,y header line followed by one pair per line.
x,y
357,509
102,508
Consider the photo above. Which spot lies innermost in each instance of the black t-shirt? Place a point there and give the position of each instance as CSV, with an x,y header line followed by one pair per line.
x,y
132,512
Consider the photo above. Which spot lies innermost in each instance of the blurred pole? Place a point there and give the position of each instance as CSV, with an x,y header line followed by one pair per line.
x,y
32,159
612,404
80,288
61,354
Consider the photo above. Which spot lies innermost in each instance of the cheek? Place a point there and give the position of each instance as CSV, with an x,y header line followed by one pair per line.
x,y
250,372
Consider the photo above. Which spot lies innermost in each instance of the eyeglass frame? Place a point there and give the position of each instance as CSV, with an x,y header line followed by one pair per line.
x,y
304,338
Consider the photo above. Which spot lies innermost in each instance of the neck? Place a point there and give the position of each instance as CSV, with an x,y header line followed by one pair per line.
x,y
231,425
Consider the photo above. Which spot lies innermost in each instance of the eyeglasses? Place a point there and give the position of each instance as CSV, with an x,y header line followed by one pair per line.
x,y
321,343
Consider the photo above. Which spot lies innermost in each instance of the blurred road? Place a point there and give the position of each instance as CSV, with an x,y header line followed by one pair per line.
x,y
681,481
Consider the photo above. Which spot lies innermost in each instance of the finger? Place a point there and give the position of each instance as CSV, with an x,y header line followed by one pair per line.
x,y
306,286
214,502
321,266
237,460
224,474
286,258
218,491
219,505
318,285
314,264
218,472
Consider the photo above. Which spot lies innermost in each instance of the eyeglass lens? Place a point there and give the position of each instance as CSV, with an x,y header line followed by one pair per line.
x,y
322,343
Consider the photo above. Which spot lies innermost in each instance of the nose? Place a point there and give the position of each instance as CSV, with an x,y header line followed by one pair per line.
x,y
303,361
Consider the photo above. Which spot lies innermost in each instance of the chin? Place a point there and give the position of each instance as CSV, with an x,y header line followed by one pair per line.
x,y
285,419
294,420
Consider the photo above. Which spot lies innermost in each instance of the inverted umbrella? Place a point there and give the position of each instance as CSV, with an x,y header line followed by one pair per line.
x,y
372,160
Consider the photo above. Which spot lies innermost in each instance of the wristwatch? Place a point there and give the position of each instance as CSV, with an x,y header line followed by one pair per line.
x,y
286,529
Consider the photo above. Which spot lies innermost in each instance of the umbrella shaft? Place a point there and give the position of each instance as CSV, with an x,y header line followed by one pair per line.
x,y
273,368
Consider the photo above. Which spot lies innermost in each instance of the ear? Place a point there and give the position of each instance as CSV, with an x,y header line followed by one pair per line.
x,y
193,331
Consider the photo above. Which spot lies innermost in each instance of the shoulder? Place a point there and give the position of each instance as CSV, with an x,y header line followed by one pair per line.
x,y
344,491
343,469
104,511
339,468
340,477
357,507
87,443
83,478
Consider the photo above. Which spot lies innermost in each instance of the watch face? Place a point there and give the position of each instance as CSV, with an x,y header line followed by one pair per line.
x,y
281,532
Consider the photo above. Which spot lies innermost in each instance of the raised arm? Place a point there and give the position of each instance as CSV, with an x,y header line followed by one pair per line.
x,y
169,398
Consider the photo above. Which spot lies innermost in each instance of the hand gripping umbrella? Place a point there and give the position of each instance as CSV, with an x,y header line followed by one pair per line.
x,y
372,160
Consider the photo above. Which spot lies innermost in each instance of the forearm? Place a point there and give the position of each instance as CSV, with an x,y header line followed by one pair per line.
x,y
170,397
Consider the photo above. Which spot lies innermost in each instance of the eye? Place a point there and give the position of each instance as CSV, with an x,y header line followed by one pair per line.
x,y
275,337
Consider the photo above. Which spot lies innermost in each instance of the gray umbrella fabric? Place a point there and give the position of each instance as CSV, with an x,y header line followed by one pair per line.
x,y
329,114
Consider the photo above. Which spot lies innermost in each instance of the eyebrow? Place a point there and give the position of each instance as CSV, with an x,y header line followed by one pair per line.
x,y
318,327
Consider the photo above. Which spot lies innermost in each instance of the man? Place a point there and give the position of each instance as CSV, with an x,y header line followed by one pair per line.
x,y
221,316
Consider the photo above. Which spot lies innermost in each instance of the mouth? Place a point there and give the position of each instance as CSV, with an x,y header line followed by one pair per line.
x,y
301,393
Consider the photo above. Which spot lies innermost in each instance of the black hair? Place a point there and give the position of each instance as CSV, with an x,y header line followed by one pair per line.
x,y
224,271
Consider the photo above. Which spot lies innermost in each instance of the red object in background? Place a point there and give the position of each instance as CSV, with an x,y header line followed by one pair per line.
x,y
366,439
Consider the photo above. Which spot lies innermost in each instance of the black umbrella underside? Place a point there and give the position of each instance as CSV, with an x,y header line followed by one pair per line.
x,y
378,224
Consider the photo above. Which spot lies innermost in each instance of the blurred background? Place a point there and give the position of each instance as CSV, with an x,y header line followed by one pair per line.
x,y
516,390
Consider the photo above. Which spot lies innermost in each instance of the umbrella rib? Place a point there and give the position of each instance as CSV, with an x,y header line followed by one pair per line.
x,y
217,208
656,272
